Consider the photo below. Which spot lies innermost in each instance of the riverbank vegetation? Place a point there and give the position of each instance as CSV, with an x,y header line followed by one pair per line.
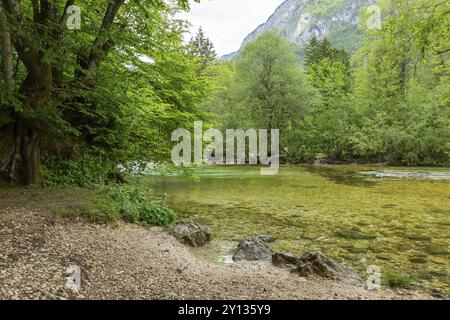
x,y
386,102
83,112
75,104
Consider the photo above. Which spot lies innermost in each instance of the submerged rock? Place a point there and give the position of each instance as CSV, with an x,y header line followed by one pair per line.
x,y
266,238
436,250
355,235
418,260
253,249
419,237
356,250
317,264
191,233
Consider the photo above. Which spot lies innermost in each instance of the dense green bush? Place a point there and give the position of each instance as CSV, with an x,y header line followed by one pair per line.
x,y
85,170
134,205
399,280
118,202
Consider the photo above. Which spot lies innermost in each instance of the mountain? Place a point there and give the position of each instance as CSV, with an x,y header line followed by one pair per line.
x,y
299,20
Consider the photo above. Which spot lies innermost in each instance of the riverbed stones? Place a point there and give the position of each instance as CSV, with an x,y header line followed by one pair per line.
x,y
317,264
191,233
253,249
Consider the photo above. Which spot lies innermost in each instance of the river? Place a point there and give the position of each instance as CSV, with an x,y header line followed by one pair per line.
x,y
399,220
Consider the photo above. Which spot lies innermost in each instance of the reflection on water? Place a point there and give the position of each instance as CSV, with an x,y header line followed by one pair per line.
x,y
408,175
401,225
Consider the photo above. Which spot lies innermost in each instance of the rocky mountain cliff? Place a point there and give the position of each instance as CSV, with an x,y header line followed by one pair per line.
x,y
300,20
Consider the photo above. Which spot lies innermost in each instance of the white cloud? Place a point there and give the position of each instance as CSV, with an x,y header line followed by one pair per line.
x,y
228,22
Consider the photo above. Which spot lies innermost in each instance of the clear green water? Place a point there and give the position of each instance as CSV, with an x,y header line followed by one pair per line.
x,y
401,225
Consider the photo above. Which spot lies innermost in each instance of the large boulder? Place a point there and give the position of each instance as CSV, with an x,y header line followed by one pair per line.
x,y
253,249
317,264
191,233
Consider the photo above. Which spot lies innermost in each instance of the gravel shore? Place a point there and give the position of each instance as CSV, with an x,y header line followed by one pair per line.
x,y
129,262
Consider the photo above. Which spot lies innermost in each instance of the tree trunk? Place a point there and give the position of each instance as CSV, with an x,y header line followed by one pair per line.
x,y
6,53
22,139
21,154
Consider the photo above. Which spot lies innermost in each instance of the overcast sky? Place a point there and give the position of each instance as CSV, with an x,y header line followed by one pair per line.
x,y
228,22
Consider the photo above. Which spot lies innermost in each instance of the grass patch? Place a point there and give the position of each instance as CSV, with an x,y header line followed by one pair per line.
x,y
400,280
120,202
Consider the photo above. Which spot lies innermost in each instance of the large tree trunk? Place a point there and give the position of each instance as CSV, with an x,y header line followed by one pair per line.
x,y
22,139
21,154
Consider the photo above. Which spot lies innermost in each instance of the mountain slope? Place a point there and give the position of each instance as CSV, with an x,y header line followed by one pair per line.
x,y
299,20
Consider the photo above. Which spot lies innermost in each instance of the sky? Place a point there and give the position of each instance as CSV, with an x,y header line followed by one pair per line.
x,y
228,22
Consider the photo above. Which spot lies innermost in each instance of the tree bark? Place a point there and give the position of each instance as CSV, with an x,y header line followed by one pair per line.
x,y
21,154
6,53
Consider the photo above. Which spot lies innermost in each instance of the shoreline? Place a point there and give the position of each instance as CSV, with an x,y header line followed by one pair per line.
x,y
129,262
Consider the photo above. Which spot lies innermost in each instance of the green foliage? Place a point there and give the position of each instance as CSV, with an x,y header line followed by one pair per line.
x,y
402,86
145,86
120,202
85,170
94,208
270,83
202,49
399,280
135,206
265,88
389,102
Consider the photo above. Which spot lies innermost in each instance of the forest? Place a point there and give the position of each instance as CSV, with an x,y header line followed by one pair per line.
x,y
75,104
93,92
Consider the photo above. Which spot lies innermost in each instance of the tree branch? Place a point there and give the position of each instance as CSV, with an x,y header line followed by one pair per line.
x,y
65,15
24,49
102,43
35,9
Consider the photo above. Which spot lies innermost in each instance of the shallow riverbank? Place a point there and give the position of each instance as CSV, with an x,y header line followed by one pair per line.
x,y
130,262
397,223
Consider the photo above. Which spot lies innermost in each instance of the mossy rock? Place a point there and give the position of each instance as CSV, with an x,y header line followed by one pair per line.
x,y
375,249
352,249
436,250
439,273
355,235
311,235
389,206
425,276
418,260
384,257
350,258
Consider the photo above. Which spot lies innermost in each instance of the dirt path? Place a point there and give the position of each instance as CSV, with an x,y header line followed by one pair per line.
x,y
128,262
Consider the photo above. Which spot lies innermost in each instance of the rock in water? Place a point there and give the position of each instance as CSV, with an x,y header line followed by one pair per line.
x,y
285,260
253,249
317,264
191,233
